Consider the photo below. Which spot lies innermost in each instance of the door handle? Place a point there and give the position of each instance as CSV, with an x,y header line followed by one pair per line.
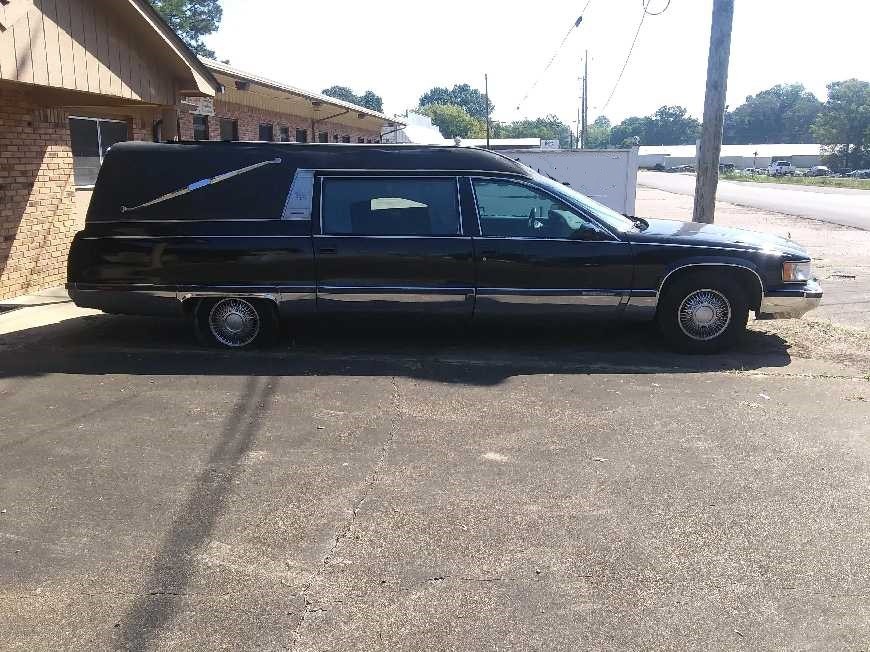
x,y
327,250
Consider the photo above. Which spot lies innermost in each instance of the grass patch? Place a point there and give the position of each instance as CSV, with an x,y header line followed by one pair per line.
x,y
827,182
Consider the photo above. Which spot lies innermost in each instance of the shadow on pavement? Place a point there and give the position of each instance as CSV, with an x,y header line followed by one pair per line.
x,y
172,569
483,354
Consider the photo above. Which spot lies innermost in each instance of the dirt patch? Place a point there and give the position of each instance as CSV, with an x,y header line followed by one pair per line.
x,y
821,340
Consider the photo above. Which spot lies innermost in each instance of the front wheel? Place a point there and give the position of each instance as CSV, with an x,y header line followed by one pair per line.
x,y
235,322
703,314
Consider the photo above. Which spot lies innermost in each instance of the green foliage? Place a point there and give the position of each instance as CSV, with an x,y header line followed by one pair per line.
x,y
782,114
669,125
547,128
598,134
191,20
453,120
843,125
470,99
369,99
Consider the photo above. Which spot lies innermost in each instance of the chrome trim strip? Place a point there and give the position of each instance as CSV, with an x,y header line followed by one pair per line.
x,y
394,288
676,269
197,221
396,237
394,297
176,237
702,246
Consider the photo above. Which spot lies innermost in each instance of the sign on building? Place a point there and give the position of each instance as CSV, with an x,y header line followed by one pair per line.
x,y
199,105
550,144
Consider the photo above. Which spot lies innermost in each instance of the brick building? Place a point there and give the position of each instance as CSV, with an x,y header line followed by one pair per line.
x,y
77,76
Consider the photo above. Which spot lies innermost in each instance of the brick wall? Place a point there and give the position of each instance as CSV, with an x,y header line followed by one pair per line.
x,y
36,191
37,220
250,119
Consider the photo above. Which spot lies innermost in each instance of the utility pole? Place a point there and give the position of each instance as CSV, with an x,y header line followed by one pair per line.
x,y
714,112
486,92
585,101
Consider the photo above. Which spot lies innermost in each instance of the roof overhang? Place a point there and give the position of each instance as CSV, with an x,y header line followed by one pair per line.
x,y
254,91
202,82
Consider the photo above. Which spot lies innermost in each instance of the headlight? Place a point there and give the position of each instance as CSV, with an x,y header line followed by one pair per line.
x,y
796,272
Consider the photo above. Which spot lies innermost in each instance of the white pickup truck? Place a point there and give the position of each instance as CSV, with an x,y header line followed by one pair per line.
x,y
780,168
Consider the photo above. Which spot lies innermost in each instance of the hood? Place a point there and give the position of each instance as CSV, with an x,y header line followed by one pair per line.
x,y
679,232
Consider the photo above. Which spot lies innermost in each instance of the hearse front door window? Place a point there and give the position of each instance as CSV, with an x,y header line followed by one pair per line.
x,y
513,210
90,138
394,206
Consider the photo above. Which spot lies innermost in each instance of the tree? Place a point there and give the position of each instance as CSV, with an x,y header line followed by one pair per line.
x,y
598,134
470,99
453,120
372,100
369,99
191,20
631,131
781,114
547,128
843,125
671,125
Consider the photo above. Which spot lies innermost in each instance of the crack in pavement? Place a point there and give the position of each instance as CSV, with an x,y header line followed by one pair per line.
x,y
344,531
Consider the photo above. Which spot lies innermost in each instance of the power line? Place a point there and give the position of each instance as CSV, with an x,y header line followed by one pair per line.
x,y
646,12
555,54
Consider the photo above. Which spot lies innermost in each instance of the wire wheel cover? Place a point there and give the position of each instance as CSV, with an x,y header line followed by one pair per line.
x,y
234,322
704,314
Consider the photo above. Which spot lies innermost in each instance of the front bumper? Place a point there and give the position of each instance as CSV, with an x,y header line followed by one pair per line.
x,y
790,302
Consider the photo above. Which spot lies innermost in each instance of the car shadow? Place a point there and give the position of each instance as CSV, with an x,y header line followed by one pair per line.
x,y
484,354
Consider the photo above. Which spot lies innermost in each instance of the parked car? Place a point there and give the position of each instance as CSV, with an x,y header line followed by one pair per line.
x,y
240,237
780,168
681,168
860,174
726,167
819,171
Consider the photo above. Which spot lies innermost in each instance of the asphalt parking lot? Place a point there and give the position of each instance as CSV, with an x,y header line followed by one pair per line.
x,y
425,488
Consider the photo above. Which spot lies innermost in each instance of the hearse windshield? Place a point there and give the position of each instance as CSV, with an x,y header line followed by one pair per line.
x,y
607,215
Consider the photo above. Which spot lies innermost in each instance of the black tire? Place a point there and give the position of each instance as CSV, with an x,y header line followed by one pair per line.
x,y
703,313
236,323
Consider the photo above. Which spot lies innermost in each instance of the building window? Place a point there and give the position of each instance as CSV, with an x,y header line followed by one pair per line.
x,y
229,129
301,135
200,127
284,134
267,132
360,139
90,139
335,138
322,137
369,141
345,139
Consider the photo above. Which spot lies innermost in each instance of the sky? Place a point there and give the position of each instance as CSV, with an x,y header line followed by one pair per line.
x,y
400,49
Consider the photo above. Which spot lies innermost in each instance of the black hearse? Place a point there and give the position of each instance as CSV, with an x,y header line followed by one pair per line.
x,y
243,236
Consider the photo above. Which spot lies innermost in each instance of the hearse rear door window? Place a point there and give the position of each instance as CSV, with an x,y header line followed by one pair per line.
x,y
390,206
393,243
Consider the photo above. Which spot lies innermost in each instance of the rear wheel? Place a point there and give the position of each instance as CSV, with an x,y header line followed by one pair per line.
x,y
703,313
235,322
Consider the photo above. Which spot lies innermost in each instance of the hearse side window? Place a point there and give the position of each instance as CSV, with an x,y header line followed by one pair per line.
x,y
514,210
390,206
90,139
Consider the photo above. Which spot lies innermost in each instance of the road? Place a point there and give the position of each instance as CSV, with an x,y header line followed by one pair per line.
x,y
843,206
409,490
